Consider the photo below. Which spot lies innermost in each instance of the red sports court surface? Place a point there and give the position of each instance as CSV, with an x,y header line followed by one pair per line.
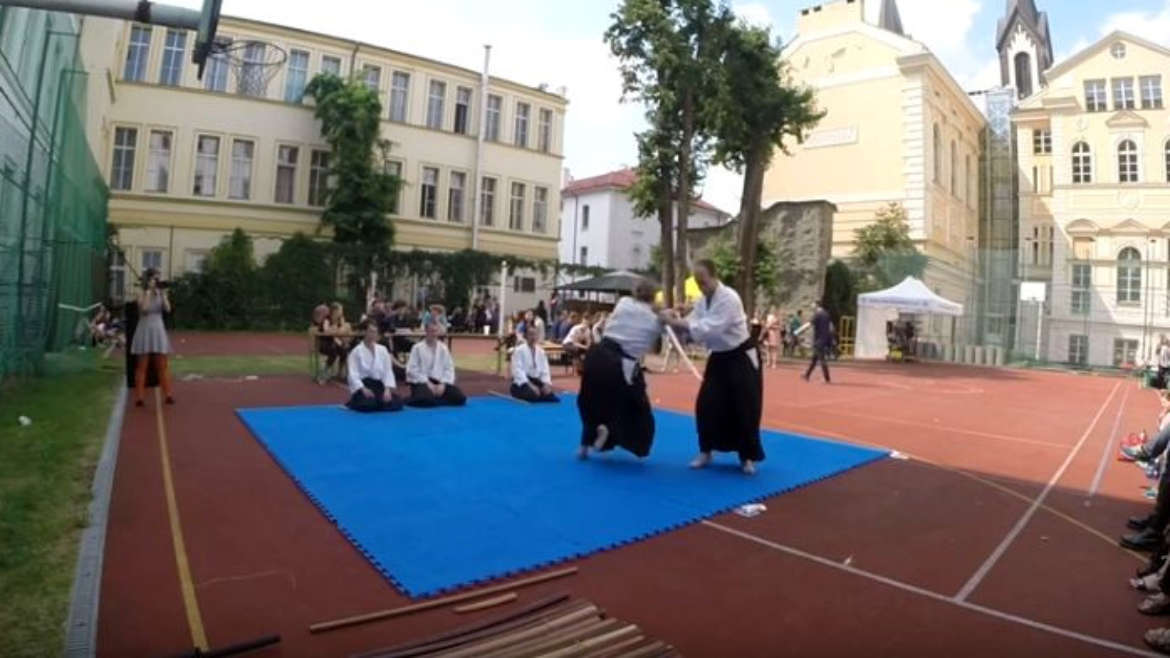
x,y
994,538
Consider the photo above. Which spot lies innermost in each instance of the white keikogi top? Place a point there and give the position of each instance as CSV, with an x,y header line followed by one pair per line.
x,y
718,321
530,363
364,364
634,326
426,364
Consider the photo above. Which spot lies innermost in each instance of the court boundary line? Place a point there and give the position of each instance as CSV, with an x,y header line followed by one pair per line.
x,y
976,433
1007,541
921,591
186,584
1105,452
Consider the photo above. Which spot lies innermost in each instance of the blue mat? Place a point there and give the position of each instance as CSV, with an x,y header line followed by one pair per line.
x,y
443,498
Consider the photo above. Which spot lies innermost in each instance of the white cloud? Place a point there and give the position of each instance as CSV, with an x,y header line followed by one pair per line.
x,y
754,13
947,29
1153,25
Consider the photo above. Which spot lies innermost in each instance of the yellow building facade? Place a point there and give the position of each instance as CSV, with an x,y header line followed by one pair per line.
x,y
897,129
190,160
1094,170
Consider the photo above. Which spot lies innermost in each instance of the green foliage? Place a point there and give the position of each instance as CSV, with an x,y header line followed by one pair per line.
x,y
297,277
362,193
884,254
840,291
723,251
226,294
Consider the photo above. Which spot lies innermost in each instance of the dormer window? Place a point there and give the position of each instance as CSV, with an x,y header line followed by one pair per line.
x,y
1118,50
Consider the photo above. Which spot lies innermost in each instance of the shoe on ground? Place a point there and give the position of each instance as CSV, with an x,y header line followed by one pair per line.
x,y
1146,540
1134,453
1138,523
1155,604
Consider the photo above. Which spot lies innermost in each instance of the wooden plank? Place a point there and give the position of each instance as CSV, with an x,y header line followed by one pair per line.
x,y
487,603
354,620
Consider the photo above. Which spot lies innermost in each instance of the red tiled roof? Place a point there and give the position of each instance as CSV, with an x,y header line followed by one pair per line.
x,y
621,179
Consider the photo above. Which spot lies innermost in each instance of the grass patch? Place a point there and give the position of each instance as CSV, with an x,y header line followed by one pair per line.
x,y
46,471
240,365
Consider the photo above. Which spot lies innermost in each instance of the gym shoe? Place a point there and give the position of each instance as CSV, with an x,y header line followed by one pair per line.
x,y
1146,540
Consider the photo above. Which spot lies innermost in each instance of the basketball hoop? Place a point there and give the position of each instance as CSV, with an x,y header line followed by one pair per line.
x,y
253,63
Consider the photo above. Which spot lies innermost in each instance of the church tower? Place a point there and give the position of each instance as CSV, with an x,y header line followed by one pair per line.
x,y
1025,47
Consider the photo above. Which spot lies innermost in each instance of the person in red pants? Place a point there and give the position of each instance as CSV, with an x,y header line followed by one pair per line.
x,y
151,344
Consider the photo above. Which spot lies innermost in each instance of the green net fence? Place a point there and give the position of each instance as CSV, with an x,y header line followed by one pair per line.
x,y
53,208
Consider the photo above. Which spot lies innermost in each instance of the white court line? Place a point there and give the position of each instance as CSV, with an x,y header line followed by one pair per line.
x,y
984,568
1108,450
914,589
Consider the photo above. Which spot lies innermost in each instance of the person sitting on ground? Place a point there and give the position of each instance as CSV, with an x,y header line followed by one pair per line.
x,y
371,377
531,377
1152,527
430,372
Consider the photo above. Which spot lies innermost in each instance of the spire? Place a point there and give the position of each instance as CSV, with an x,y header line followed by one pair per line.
x,y
889,19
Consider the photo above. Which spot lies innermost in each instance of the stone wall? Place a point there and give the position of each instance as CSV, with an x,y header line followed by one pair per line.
x,y
804,233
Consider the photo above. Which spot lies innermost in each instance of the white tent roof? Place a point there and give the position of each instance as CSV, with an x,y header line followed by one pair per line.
x,y
910,296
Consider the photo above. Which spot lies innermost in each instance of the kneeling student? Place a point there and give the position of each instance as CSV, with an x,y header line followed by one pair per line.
x,y
430,372
370,376
531,378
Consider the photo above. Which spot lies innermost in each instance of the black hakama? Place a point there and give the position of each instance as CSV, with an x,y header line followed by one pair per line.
x,y
730,403
606,398
359,402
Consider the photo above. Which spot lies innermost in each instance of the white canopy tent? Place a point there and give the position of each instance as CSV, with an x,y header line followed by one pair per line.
x,y
875,309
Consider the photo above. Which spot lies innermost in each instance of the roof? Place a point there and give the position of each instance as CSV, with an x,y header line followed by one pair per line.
x,y
1034,19
616,281
890,19
621,179
910,296
1100,45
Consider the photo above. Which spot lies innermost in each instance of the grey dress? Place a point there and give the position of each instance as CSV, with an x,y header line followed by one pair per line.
x,y
151,335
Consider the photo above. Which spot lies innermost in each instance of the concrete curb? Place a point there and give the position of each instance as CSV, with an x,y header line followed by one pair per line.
x,y
81,627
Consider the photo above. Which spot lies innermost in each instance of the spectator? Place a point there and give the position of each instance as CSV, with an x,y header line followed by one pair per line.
x,y
578,339
151,345
561,327
533,317
599,327
541,312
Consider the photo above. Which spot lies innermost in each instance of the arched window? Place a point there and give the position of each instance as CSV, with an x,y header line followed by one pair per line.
x,y
1129,276
937,155
1127,162
1024,74
1082,163
954,167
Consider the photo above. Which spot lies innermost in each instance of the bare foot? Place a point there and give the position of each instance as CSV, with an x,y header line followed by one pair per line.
x,y
602,437
749,467
701,460
583,452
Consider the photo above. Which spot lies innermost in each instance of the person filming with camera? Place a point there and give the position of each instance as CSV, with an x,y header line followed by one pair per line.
x,y
151,344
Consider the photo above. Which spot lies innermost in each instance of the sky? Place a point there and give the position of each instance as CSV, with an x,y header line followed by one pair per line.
x,y
560,43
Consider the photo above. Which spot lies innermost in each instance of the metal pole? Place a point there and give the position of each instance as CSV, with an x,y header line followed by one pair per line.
x,y
483,96
1039,325
130,10
503,293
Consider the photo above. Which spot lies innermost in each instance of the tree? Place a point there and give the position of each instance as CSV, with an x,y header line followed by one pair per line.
x,y
297,278
883,251
758,107
723,251
668,55
361,193
840,291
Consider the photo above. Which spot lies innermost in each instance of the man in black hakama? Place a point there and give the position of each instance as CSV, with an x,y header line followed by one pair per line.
x,y
730,402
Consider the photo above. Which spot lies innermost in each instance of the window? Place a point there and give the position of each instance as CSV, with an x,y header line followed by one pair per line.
x,y
1127,162
428,192
521,132
584,218
1117,50
172,64
318,177
438,93
394,168
516,208
286,173
1151,92
331,65
158,163
1082,163
137,51
523,284
455,196
1023,74
122,171
492,128
1042,141
240,181
372,76
151,259
1129,276
298,75
1081,279
584,256
215,73
954,167
206,165
539,209
1095,96
399,90
462,109
1124,352
1078,350
195,260
937,155
118,275
1123,94
545,139
251,81
487,201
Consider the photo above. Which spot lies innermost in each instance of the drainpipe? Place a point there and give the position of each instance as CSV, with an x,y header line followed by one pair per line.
x,y
483,94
